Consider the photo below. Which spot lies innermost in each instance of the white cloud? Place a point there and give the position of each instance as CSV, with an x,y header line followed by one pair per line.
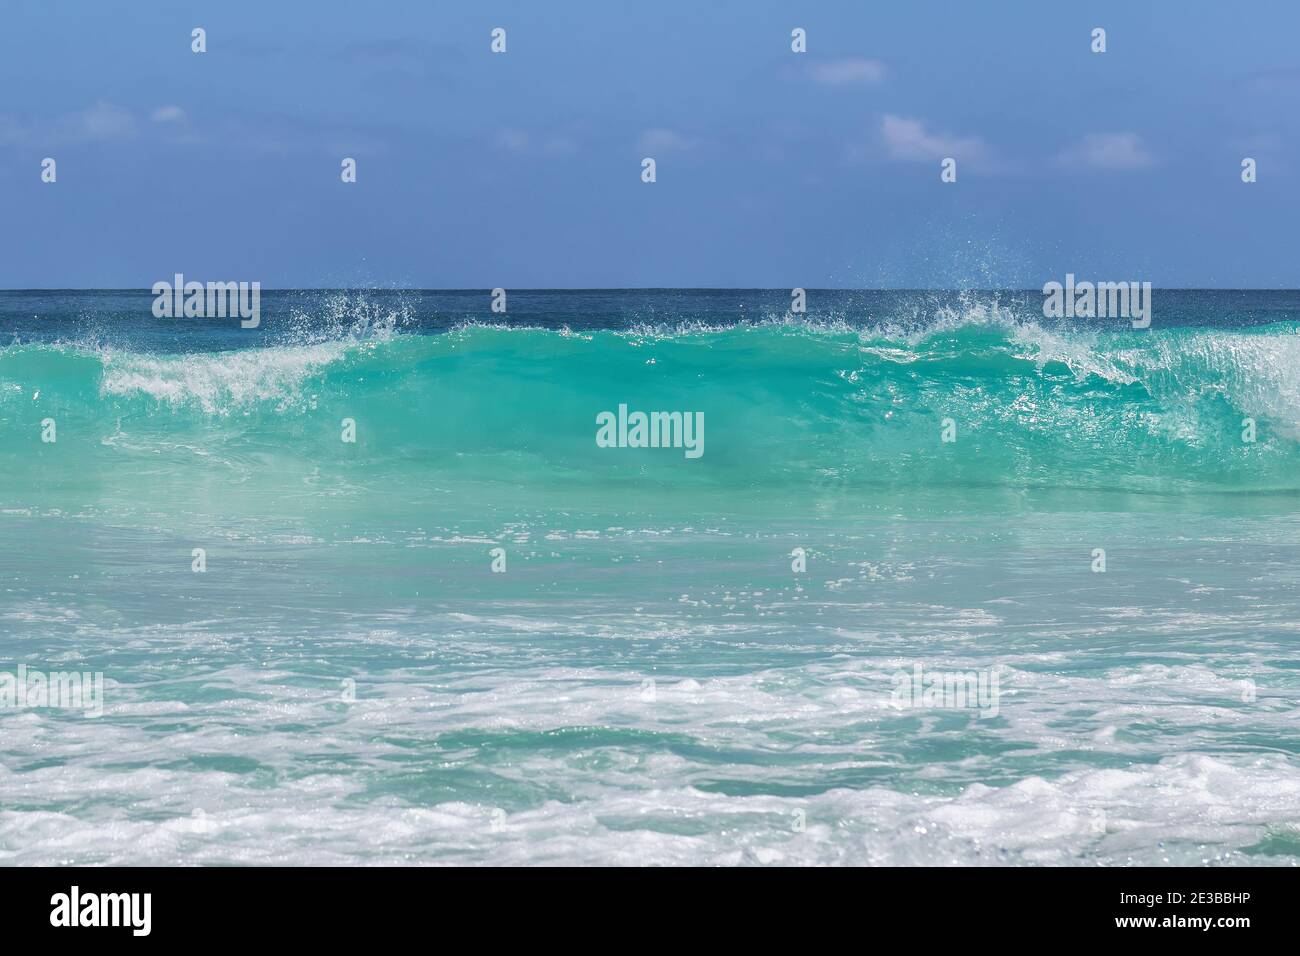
x,y
664,141
1109,151
559,146
102,121
514,140
850,72
12,131
168,114
908,139
105,121
547,144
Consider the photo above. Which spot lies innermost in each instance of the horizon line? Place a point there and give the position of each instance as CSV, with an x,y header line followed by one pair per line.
x,y
148,290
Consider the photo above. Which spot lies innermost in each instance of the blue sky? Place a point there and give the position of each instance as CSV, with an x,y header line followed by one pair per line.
x,y
775,169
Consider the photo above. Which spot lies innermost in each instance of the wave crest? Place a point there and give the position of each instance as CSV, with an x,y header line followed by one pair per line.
x,y
785,403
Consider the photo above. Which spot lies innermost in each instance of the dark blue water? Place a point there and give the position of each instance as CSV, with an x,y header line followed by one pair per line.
x,y
123,318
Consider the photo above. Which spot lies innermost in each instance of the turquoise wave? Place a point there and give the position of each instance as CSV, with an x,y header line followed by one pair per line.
x,y
783,403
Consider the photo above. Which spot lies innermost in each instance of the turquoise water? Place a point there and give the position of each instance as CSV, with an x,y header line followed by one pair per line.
x,y
650,680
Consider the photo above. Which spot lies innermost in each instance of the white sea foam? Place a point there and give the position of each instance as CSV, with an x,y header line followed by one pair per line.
x,y
630,764
219,383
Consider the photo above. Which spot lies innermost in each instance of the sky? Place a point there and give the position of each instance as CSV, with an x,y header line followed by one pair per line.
x,y
774,169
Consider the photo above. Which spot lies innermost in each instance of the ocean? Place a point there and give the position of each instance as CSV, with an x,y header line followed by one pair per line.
x,y
948,583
